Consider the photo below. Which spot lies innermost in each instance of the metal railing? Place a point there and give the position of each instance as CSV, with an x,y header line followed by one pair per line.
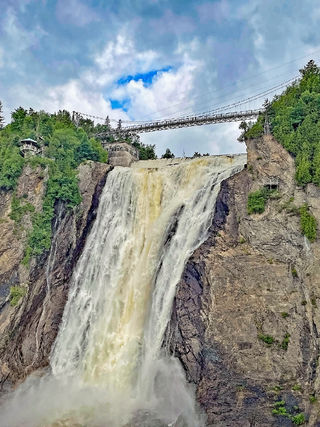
x,y
187,121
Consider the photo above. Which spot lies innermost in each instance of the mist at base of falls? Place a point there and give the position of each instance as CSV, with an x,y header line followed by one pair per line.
x,y
109,366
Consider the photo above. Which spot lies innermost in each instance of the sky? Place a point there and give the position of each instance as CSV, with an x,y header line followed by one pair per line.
x,y
152,59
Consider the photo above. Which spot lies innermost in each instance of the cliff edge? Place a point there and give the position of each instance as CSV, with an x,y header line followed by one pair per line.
x,y
246,322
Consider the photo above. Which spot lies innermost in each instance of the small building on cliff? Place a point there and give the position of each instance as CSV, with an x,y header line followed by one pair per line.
x,y
30,147
121,153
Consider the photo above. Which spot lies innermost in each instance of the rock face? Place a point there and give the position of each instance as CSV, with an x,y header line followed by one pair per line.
x,y
28,330
245,322
121,153
256,276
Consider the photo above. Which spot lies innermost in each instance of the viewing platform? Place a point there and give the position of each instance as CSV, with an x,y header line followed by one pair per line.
x,y
30,147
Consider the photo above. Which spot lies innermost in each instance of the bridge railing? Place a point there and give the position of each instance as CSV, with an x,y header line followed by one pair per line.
x,y
187,121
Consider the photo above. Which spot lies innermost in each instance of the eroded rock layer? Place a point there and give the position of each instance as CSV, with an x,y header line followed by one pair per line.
x,y
255,277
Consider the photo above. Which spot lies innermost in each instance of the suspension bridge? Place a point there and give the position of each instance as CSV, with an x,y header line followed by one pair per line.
x,y
228,113
196,120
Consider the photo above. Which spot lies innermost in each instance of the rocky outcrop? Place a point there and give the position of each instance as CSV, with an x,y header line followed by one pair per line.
x,y
121,153
255,280
28,330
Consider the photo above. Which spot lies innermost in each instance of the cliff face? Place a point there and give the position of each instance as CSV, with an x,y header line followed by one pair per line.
x,y
245,322
28,329
255,277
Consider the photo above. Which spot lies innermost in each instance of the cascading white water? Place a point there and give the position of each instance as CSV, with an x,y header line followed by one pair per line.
x,y
109,367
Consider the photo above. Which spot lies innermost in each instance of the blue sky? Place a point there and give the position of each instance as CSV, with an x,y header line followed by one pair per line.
x,y
145,59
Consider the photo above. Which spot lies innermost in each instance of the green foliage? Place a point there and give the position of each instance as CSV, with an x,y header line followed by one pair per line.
x,y
257,200
277,388
312,398
295,123
146,152
168,154
11,163
279,403
289,206
16,293
65,146
196,154
281,410
297,387
298,419
268,339
285,342
254,130
1,116
284,314
294,272
308,223
19,208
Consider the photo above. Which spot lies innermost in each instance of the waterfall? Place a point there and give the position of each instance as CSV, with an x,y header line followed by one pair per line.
x,y
109,366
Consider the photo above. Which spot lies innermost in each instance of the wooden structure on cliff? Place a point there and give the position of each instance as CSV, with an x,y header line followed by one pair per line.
x,y
30,147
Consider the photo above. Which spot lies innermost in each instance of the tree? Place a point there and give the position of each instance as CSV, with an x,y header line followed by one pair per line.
x,y
168,154
18,117
244,127
1,116
146,152
310,68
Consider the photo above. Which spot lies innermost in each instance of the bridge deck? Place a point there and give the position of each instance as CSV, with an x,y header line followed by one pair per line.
x,y
188,121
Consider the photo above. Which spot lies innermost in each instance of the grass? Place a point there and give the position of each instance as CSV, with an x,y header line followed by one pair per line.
x,y
312,398
308,223
281,410
257,201
297,387
16,293
298,419
267,339
285,342
19,208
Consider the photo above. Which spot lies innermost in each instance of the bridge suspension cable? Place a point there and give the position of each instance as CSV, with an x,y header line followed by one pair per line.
x,y
218,114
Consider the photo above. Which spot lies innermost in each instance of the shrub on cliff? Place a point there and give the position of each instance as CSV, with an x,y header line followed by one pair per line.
x,y
257,200
252,130
308,223
16,293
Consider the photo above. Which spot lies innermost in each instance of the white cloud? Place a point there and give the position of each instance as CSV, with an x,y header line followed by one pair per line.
x,y
118,58
166,96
